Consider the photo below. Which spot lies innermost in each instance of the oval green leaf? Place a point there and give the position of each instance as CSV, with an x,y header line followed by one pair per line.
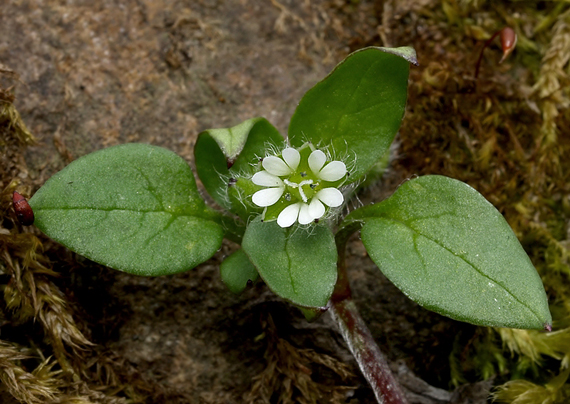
x,y
448,249
222,154
237,270
357,109
133,207
297,264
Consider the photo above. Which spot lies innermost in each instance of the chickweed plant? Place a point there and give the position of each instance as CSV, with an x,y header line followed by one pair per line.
x,y
136,208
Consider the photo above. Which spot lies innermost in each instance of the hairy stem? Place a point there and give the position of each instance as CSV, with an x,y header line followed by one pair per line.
x,y
370,359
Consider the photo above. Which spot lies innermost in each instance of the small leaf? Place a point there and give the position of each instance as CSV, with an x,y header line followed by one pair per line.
x,y
297,264
237,270
357,109
312,313
133,207
447,248
222,154
212,168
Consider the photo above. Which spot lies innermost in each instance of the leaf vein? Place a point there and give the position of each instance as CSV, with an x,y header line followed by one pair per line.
x,y
289,267
463,259
151,188
349,99
159,232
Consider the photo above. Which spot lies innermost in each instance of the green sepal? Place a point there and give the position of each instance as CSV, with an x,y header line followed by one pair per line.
x,y
224,155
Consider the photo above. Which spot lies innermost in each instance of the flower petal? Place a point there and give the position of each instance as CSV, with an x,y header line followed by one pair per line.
x,y
316,208
265,179
304,215
291,157
267,196
289,215
330,196
317,160
333,171
274,165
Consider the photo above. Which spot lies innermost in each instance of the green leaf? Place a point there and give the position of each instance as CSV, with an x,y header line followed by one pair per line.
x,y
297,264
212,168
133,207
312,313
221,154
237,270
447,248
357,108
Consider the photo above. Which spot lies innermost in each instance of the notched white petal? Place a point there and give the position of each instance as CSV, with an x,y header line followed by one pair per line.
x,y
267,197
304,214
316,208
330,196
289,215
265,179
274,165
291,157
316,161
333,171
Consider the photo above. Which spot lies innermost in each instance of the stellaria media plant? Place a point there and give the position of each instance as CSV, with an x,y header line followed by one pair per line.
x,y
136,208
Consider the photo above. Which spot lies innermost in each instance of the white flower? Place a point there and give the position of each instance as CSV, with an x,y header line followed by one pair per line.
x,y
267,196
274,167
333,171
307,190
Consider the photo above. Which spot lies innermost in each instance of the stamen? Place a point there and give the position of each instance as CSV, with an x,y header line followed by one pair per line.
x,y
303,196
290,184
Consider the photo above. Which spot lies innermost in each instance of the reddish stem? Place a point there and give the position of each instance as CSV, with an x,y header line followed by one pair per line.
x,y
508,43
370,359
487,43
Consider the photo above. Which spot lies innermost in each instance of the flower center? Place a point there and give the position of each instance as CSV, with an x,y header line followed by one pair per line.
x,y
303,190
292,182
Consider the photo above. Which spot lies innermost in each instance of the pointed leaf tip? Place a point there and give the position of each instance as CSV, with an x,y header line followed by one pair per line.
x,y
406,52
548,327
451,251
357,108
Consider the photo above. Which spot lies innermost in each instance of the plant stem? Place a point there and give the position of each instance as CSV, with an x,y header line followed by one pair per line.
x,y
487,43
370,359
